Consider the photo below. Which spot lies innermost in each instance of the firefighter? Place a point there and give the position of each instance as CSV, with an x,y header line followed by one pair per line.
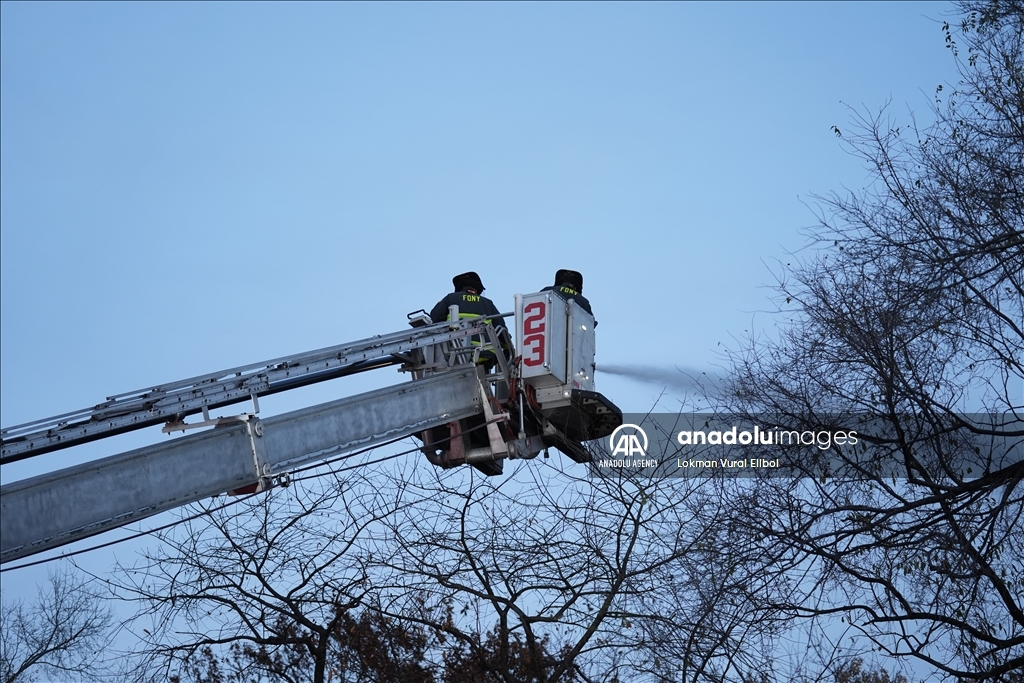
x,y
472,304
569,286
467,433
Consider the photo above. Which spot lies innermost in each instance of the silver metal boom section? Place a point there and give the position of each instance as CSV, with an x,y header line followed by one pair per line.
x,y
175,400
65,506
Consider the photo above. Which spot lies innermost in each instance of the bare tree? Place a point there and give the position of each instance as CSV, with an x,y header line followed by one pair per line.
x,y
61,636
905,322
852,671
276,575
856,672
364,647
411,573
588,577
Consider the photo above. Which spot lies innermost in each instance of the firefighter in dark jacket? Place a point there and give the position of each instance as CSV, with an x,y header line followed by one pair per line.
x,y
569,286
472,304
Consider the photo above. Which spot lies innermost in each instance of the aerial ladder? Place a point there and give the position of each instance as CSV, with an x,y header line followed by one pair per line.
x,y
534,394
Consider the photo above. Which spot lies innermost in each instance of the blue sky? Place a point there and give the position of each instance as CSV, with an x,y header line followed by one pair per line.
x,y
189,187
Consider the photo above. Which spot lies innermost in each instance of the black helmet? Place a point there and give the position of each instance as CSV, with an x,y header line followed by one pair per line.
x,y
569,278
468,280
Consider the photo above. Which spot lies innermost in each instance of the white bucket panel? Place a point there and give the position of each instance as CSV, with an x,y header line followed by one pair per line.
x,y
582,348
541,330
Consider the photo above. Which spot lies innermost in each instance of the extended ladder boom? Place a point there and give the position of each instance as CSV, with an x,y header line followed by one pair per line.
x,y
175,400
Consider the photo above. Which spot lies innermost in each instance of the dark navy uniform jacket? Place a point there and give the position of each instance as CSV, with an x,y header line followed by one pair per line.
x,y
570,294
470,306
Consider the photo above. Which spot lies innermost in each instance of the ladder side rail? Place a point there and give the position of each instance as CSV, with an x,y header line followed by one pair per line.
x,y
239,373
92,431
269,372
290,360
35,425
51,510
191,399
346,349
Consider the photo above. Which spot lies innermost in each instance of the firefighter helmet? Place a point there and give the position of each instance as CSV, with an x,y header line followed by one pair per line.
x,y
569,278
470,279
